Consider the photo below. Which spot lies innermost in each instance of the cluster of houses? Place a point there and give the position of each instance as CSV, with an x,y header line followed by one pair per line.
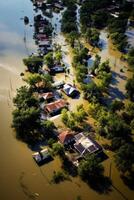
x,y
45,4
80,143
43,31
83,144
52,102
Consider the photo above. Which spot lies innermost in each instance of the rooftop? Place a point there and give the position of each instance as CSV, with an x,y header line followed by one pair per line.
x,y
85,144
69,89
65,136
47,95
55,106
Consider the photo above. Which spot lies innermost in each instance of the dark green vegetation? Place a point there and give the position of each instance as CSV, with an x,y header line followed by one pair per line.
x,y
73,120
26,118
130,88
96,14
33,63
92,36
69,19
34,81
91,171
116,124
58,177
69,22
130,58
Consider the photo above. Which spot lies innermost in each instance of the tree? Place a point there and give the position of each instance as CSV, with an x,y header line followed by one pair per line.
x,y
117,142
99,18
130,58
33,63
111,125
116,105
80,114
58,149
48,59
34,79
58,56
71,37
69,23
25,98
91,92
73,119
48,128
125,158
92,36
96,63
81,71
58,177
90,168
64,116
26,123
93,109
130,88
104,67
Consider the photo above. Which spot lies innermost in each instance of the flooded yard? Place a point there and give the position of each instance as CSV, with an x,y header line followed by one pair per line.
x,y
20,177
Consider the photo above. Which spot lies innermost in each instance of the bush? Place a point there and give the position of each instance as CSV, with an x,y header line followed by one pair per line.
x,y
58,177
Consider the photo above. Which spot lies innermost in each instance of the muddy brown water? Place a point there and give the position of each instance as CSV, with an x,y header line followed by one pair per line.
x,y
20,177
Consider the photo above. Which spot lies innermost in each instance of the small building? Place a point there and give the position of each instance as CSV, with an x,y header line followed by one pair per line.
x,y
66,137
41,36
70,90
47,96
86,145
57,69
58,5
42,156
58,84
44,43
55,107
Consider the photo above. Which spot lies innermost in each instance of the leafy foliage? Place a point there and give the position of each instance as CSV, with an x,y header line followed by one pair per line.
x,y
90,168
125,158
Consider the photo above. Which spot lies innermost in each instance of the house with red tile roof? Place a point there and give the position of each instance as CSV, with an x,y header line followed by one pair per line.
x,y
66,137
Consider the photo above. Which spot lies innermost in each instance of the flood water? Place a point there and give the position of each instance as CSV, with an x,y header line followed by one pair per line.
x,y
20,177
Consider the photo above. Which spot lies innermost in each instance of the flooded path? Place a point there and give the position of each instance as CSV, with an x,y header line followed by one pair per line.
x,y
20,177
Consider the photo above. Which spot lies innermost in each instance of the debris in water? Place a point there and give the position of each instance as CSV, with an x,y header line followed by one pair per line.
x,y
36,194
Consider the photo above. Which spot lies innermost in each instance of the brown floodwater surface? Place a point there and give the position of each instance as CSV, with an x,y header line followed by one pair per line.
x,y
20,177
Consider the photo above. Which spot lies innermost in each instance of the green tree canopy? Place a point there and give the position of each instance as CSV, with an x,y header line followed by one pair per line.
x,y
130,88
90,168
24,98
49,60
33,63
125,158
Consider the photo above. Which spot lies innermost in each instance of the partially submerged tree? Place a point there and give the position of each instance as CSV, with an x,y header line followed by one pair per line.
x,y
33,63
125,158
90,168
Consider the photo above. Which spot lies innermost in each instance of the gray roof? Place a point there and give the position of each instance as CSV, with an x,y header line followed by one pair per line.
x,y
85,144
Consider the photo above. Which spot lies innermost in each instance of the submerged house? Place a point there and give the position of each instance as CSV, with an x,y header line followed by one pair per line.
x,y
70,90
86,145
55,107
42,156
66,137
